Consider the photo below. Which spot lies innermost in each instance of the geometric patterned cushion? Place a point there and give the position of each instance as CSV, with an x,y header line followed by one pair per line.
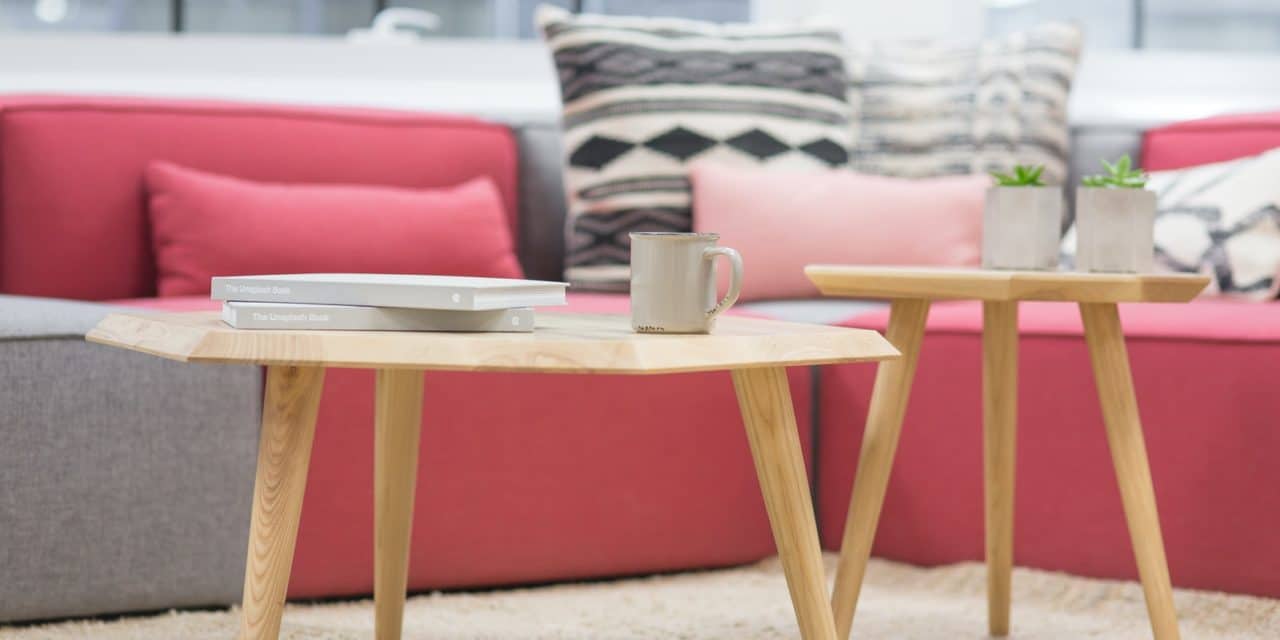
x,y
646,97
932,108
1222,220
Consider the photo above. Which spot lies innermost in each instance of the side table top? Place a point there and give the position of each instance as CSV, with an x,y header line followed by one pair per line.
x,y
560,343
982,284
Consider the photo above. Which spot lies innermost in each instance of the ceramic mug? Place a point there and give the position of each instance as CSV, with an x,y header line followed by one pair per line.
x,y
673,282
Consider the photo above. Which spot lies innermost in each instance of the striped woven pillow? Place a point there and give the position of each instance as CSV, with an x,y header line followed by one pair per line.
x,y
930,108
644,97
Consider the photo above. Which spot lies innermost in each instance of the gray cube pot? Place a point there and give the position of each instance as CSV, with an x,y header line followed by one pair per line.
x,y
1115,230
1021,228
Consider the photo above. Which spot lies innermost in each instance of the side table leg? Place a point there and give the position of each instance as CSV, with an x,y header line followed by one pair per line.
x,y
284,450
999,427
765,400
1129,454
879,443
397,427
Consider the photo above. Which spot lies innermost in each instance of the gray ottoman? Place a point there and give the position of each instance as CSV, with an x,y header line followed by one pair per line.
x,y
125,480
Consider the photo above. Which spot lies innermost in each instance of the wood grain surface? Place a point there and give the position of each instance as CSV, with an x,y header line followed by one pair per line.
x,y
979,284
561,343
999,435
284,450
397,428
875,460
1129,455
769,417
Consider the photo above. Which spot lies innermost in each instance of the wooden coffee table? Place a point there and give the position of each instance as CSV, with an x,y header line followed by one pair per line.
x,y
911,291
755,351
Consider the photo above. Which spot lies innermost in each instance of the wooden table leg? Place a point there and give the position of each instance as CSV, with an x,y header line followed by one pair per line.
x,y
765,400
879,442
397,427
999,428
284,449
1129,454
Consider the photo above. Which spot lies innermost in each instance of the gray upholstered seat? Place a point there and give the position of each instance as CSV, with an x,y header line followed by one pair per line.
x,y
125,480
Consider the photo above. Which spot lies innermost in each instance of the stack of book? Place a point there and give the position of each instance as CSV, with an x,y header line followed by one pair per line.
x,y
383,302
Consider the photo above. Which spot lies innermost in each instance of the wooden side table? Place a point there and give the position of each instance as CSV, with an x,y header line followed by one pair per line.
x,y
911,291
756,351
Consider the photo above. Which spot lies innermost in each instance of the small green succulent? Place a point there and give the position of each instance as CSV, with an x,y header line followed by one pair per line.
x,y
1121,175
1023,176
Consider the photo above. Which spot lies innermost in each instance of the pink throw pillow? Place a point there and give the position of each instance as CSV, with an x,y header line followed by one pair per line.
x,y
205,225
781,221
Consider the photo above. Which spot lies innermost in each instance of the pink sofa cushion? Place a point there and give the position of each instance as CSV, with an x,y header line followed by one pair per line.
x,y
781,221
1209,140
205,225
1208,320
72,207
176,303
578,302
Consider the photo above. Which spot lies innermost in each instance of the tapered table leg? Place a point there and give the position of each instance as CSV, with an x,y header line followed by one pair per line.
x,y
999,427
879,443
284,450
767,413
1129,454
397,427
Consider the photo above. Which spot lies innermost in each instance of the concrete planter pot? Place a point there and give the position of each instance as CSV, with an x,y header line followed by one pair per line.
x,y
1115,230
1021,228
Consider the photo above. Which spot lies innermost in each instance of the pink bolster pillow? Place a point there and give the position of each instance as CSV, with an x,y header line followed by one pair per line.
x,y
781,221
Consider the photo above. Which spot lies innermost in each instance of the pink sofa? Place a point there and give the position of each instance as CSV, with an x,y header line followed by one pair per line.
x,y
567,477
579,476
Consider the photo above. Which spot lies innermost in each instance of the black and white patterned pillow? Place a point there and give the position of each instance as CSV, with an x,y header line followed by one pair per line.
x,y
1220,219
644,97
932,108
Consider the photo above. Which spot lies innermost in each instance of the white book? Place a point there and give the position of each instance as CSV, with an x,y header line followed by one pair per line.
x,y
336,317
391,290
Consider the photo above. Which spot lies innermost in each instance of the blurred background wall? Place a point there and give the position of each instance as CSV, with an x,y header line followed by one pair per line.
x,y
1241,25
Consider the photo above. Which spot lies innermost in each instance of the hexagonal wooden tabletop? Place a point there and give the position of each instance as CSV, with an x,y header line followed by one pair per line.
x,y
560,343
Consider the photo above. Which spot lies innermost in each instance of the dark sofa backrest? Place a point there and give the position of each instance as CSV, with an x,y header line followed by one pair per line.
x,y
73,220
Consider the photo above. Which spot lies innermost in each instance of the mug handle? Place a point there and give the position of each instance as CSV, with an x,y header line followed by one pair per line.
x,y
735,278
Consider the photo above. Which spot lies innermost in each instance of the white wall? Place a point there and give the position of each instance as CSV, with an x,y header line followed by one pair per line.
x,y
514,80
891,19
508,80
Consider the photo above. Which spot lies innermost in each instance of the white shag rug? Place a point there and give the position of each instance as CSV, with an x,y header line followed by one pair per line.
x,y
899,602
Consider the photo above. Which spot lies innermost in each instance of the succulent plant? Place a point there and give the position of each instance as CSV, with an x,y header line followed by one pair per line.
x,y
1121,175
1023,176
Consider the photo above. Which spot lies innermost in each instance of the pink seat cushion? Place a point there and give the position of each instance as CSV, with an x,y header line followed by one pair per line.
x,y
206,225
781,221
1207,320
175,303
578,302
1216,139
